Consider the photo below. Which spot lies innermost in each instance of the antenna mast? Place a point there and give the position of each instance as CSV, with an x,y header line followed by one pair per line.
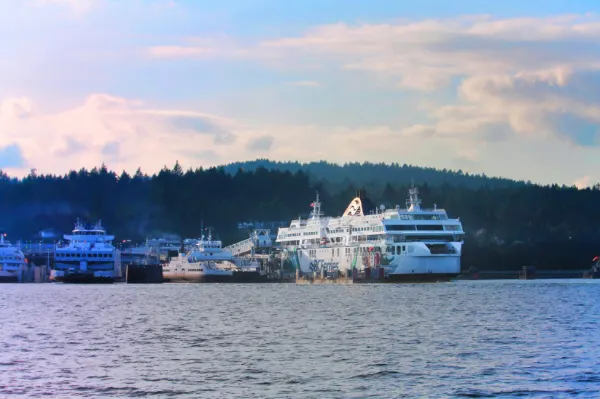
x,y
414,202
316,212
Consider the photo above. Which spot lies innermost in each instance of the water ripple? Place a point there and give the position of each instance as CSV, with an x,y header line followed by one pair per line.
x,y
506,339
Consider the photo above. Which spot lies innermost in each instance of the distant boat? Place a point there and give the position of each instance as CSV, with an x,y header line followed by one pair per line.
x,y
594,271
89,257
206,262
12,261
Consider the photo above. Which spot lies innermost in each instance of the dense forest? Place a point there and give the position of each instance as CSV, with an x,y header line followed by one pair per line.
x,y
508,224
337,177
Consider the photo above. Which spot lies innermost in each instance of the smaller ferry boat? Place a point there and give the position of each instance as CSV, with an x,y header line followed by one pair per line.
x,y
155,246
89,257
12,261
207,261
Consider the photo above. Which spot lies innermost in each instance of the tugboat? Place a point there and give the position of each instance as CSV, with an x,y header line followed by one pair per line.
x,y
89,257
12,262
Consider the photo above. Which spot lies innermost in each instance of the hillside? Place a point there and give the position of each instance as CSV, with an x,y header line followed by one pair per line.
x,y
507,225
373,174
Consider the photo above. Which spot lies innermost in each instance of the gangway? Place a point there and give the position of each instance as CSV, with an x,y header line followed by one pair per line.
x,y
260,238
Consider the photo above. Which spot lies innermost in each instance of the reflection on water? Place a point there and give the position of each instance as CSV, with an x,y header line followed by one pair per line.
x,y
504,339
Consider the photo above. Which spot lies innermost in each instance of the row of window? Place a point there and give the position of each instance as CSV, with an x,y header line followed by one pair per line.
x,y
310,233
413,227
83,255
437,216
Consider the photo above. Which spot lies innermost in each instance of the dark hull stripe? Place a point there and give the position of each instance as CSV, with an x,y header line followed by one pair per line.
x,y
422,278
84,279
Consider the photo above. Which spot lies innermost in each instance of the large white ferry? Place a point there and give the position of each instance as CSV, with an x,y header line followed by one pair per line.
x,y
207,261
410,244
89,257
12,261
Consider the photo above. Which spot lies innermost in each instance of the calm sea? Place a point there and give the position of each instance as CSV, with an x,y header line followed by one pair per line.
x,y
497,339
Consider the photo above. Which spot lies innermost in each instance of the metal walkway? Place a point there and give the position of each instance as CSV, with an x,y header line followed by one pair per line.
x,y
259,239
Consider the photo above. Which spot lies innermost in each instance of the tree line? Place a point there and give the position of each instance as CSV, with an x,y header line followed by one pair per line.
x,y
508,223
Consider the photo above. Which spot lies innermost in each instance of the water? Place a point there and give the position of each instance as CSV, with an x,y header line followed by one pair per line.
x,y
504,339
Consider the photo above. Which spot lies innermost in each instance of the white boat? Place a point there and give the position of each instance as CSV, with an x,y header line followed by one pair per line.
x,y
207,261
152,248
89,257
407,244
12,262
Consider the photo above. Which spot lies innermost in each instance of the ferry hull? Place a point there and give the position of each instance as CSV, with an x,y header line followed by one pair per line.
x,y
435,265
422,277
9,278
197,278
236,277
80,278
84,279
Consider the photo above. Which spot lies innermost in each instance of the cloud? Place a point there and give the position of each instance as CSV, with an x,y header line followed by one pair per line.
x,y
108,128
179,51
305,83
427,54
127,134
531,77
111,150
11,157
535,105
72,146
77,6
19,108
203,124
263,143
535,77
583,182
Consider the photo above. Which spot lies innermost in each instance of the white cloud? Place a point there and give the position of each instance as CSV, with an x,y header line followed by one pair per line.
x,y
77,6
535,77
583,182
427,54
107,128
126,134
305,83
179,51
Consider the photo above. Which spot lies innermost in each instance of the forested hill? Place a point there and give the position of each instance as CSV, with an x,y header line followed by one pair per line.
x,y
506,227
372,174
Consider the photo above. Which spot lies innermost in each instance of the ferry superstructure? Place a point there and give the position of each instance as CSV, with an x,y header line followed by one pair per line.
x,y
207,261
410,244
89,257
12,261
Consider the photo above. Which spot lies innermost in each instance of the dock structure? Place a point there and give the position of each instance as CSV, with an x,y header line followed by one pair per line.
x,y
260,240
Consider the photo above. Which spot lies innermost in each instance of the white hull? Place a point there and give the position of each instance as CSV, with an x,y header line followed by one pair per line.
x,y
434,264
416,260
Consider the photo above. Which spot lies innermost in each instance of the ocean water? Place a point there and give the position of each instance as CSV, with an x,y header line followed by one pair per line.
x,y
496,339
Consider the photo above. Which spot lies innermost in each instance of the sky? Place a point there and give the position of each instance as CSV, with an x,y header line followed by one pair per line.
x,y
507,88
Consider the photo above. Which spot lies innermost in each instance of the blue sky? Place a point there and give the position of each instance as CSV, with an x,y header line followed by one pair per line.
x,y
505,88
